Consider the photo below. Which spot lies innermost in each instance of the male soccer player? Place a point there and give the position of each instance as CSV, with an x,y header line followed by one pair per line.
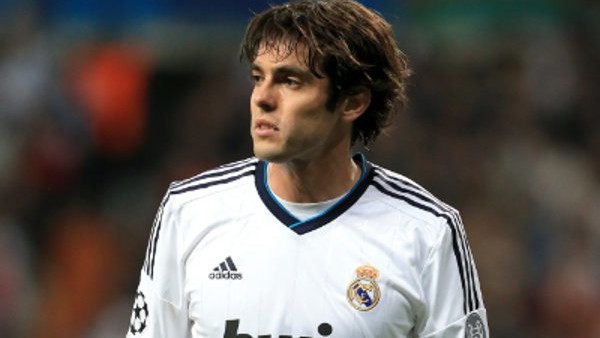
x,y
306,239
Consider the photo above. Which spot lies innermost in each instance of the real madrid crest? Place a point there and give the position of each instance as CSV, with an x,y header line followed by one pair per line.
x,y
363,292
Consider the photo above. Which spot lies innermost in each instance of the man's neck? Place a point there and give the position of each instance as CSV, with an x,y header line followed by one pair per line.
x,y
313,181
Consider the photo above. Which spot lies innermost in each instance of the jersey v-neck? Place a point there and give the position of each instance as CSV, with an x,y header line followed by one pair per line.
x,y
304,211
312,223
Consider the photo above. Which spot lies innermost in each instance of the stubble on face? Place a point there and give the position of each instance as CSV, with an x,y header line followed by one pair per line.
x,y
290,120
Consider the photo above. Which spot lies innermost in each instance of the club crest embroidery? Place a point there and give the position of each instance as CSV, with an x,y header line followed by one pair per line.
x,y
364,293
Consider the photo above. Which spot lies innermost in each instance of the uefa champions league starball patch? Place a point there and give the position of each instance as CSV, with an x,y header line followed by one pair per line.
x,y
474,327
139,315
363,293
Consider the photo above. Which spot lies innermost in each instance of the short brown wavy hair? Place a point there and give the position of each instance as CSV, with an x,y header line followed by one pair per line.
x,y
351,45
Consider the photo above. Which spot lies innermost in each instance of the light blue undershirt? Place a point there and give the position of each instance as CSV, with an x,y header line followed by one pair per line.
x,y
307,211
304,211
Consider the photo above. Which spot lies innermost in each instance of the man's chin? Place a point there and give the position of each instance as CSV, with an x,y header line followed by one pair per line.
x,y
269,155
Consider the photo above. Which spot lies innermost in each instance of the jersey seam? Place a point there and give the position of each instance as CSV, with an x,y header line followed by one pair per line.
x,y
238,184
444,328
429,223
428,260
166,301
434,248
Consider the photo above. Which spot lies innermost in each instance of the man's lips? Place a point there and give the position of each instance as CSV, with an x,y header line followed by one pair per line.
x,y
263,127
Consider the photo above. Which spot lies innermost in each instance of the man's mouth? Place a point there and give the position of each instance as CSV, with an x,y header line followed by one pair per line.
x,y
265,126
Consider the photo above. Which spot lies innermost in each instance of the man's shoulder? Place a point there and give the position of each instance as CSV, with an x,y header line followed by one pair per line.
x,y
410,197
218,179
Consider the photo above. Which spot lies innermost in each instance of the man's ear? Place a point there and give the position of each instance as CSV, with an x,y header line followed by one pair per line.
x,y
356,103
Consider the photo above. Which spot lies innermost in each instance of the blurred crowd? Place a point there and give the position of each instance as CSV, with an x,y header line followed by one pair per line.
x,y
103,103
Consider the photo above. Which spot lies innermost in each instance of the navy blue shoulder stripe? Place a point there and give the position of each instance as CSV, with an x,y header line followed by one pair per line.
x,y
454,221
209,179
219,171
413,188
420,198
148,266
225,177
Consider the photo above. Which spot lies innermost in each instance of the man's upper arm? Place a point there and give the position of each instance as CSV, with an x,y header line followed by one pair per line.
x,y
159,309
451,288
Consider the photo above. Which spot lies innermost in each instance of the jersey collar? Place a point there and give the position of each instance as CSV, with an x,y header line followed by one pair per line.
x,y
302,227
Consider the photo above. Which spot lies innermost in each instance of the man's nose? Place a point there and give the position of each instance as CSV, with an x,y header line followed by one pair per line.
x,y
264,96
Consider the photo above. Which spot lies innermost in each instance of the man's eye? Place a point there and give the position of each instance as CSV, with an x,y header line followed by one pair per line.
x,y
255,78
292,83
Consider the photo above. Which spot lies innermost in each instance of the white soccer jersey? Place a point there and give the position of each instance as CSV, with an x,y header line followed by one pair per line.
x,y
225,259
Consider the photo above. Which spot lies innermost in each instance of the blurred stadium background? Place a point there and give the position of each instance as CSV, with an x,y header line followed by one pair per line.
x,y
103,103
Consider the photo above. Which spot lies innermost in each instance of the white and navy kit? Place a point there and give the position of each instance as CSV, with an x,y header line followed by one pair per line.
x,y
226,259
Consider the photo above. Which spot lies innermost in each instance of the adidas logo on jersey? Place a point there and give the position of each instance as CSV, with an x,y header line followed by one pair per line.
x,y
231,331
225,270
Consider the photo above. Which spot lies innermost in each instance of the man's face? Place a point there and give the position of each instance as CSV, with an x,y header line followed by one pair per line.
x,y
289,119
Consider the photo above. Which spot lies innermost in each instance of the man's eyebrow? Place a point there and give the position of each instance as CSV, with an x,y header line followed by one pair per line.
x,y
289,69
256,67
285,70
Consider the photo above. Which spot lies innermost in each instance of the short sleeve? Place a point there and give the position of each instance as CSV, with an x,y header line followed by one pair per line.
x,y
450,284
159,309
